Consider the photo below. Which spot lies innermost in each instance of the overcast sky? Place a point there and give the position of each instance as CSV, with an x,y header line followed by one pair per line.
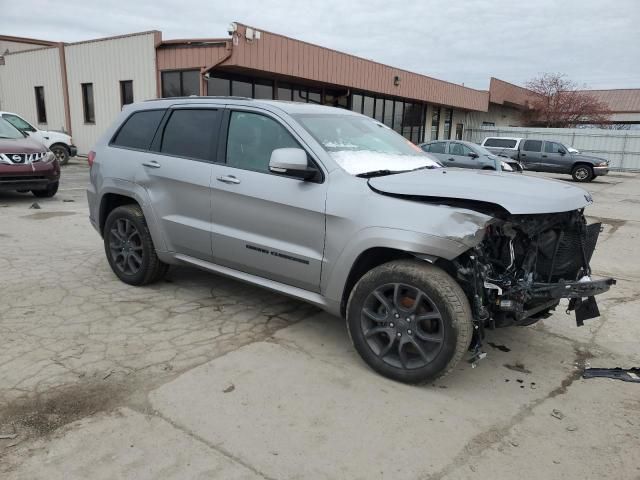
x,y
596,43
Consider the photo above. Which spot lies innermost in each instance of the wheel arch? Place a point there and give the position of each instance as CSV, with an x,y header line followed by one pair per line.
x,y
109,202
61,144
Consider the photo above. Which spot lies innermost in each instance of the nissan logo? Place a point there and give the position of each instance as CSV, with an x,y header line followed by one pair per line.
x,y
16,158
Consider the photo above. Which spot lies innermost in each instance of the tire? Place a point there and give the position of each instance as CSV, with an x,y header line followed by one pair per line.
x,y
130,250
62,153
380,336
582,173
48,192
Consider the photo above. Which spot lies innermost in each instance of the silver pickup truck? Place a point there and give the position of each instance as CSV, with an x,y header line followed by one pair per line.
x,y
548,156
336,209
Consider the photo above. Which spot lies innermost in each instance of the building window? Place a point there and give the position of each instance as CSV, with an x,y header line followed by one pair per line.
x,y
379,110
126,92
40,106
356,103
367,106
398,112
448,118
87,103
285,92
263,89
241,88
488,124
182,83
435,123
459,129
388,113
218,87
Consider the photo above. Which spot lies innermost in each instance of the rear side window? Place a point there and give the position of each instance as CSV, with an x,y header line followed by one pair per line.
x,y
191,133
532,145
434,147
500,143
138,130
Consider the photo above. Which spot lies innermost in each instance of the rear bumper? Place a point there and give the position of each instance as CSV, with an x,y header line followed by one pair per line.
x,y
598,171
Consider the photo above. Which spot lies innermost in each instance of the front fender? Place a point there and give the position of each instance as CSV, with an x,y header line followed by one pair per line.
x,y
333,282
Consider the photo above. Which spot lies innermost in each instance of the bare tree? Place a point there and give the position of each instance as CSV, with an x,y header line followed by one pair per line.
x,y
557,102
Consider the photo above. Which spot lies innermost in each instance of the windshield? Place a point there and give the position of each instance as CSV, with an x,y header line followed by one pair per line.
x,y
9,131
360,144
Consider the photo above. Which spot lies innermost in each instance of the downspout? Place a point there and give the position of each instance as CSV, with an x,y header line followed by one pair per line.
x,y
65,88
206,69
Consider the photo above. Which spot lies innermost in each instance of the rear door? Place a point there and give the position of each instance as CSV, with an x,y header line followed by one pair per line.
x,y
438,150
265,224
176,174
531,155
554,157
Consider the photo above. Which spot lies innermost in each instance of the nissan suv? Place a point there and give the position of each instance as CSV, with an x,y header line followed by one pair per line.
x,y
336,209
25,164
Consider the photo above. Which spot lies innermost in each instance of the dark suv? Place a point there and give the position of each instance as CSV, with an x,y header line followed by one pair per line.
x,y
25,164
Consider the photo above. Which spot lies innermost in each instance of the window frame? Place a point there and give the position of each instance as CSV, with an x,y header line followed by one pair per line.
x,y
124,122
224,135
85,104
524,146
122,84
180,72
41,110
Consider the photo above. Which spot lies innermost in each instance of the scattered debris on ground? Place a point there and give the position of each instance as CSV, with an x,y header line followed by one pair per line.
x,y
502,348
626,375
35,206
517,367
557,414
230,388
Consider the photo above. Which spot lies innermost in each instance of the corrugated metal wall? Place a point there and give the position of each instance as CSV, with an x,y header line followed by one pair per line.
x,y
26,70
104,63
16,46
621,148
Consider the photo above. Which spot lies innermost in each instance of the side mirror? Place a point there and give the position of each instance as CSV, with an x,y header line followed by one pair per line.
x,y
473,155
293,162
562,152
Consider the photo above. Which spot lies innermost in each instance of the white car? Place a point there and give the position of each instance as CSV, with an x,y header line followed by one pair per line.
x,y
58,142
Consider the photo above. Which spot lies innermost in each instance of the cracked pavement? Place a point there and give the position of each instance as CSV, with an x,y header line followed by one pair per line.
x,y
203,377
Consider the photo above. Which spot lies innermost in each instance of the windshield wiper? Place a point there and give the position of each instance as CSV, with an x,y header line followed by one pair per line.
x,y
379,173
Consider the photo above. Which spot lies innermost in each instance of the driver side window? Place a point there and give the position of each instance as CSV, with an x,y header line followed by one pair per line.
x,y
252,138
553,147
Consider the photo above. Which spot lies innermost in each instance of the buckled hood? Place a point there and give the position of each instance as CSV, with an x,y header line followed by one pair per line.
x,y
518,194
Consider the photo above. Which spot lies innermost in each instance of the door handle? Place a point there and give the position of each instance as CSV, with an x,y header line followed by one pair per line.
x,y
452,159
229,179
151,164
544,156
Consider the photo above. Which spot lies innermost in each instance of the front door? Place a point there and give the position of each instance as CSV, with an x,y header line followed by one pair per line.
x,y
460,156
177,178
554,157
265,224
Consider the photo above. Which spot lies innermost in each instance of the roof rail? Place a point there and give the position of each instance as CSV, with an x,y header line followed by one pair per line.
x,y
200,97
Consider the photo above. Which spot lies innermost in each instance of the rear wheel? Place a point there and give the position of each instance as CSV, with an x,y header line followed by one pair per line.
x,y
582,173
409,321
48,192
129,247
62,153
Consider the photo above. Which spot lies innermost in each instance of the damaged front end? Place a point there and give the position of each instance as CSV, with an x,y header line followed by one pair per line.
x,y
525,264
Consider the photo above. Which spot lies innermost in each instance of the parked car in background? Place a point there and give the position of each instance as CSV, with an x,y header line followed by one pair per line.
x,y
548,156
336,209
26,164
457,153
59,143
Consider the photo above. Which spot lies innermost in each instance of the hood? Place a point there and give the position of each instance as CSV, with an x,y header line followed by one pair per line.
x,y
21,145
518,194
588,158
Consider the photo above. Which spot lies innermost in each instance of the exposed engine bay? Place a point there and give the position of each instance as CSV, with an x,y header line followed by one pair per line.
x,y
525,264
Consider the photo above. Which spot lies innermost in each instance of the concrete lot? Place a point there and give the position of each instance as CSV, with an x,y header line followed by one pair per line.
x,y
203,377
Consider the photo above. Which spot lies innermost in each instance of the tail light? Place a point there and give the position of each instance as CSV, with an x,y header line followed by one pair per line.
x,y
91,158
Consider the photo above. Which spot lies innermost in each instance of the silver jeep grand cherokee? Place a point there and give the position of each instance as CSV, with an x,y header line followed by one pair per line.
x,y
334,208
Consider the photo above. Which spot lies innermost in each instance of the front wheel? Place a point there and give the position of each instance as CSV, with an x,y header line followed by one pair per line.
x,y
62,154
409,321
129,247
48,192
582,173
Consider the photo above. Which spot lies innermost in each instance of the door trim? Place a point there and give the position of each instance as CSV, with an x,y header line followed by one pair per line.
x,y
295,292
